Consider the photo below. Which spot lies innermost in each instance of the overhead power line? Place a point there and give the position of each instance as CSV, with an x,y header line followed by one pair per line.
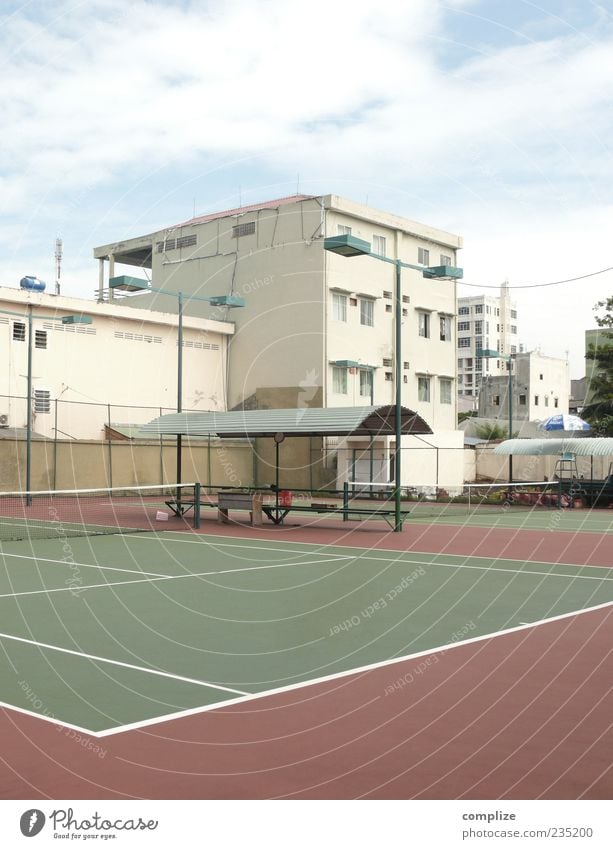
x,y
539,285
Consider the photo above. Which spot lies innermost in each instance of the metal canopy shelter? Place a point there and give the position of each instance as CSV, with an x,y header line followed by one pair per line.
x,y
582,447
308,421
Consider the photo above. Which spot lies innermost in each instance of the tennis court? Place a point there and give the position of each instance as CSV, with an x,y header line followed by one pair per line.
x,y
111,634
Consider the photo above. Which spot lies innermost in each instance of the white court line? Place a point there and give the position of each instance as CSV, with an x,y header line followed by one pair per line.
x,y
46,717
147,538
121,663
77,589
71,563
338,675
365,552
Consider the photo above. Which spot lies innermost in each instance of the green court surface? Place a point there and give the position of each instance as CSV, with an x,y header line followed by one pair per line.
x,y
497,516
106,632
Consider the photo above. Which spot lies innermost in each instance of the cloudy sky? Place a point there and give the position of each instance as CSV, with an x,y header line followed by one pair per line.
x,y
487,118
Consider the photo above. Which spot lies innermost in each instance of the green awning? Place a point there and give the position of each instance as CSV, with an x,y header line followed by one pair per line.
x,y
308,421
580,447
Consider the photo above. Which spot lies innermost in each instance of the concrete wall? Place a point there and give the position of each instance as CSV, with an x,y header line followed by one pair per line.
x,y
84,464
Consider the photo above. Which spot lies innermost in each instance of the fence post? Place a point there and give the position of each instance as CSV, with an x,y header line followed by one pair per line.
x,y
55,445
345,501
197,496
110,449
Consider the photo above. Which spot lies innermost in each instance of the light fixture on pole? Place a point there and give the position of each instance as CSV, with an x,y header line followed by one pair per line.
x,y
136,284
489,354
349,246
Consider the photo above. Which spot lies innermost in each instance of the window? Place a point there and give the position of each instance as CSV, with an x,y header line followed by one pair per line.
x,y
188,241
445,328
366,383
378,245
245,229
40,338
387,295
463,311
339,380
460,379
488,310
19,331
353,302
388,308
406,299
42,401
513,349
424,324
469,362
536,400
445,390
479,364
496,400
406,365
388,375
423,389
405,312
344,230
514,329
513,313
367,312
460,362
540,376
339,306
522,400
463,325
464,342
469,379
478,327
555,402
387,362
405,379
479,309
446,260
479,343
423,256
546,400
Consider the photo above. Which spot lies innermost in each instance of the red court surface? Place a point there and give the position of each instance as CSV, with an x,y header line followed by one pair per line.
x,y
522,715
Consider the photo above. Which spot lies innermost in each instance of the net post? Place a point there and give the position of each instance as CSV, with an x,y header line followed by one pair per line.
x,y
197,497
345,501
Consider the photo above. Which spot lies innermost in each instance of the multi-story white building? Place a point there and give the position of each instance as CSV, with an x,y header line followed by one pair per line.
x,y
316,329
124,357
484,322
541,388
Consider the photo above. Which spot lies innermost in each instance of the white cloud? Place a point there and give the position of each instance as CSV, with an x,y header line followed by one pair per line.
x,y
509,147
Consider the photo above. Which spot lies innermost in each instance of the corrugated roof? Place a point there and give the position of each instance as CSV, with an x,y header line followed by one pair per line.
x,y
267,204
583,447
307,421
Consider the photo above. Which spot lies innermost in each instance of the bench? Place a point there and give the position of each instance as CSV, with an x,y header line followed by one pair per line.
x,y
277,515
239,501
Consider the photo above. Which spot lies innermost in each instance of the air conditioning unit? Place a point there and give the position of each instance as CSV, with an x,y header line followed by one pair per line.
x,y
4,420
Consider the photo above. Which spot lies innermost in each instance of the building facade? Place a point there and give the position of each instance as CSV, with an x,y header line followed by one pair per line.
x,y
541,388
125,359
484,322
316,329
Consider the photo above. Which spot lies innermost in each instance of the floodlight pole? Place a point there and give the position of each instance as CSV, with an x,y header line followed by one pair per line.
x,y
510,391
179,390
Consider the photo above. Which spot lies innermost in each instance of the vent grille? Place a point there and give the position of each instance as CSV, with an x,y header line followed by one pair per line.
x,y
138,337
71,328
246,229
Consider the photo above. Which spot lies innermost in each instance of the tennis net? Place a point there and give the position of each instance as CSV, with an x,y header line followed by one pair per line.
x,y
471,499
57,514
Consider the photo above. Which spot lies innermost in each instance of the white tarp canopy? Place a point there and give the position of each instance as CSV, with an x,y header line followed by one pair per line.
x,y
580,447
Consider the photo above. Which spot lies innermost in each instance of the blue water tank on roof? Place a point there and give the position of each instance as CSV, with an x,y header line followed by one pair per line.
x,y
32,284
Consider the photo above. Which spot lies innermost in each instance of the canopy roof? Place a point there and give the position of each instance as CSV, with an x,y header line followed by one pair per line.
x,y
306,421
581,447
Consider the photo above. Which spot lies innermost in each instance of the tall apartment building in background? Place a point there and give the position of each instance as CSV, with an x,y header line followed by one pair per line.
x,y
316,329
485,322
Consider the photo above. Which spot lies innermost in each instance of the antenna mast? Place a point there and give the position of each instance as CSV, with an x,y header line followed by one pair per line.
x,y
59,252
